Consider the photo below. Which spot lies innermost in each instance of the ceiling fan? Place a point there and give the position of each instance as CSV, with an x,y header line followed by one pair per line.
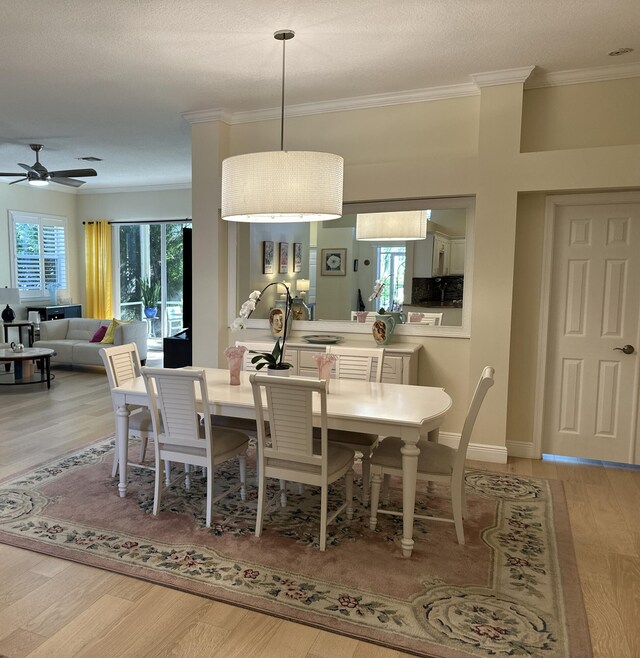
x,y
37,174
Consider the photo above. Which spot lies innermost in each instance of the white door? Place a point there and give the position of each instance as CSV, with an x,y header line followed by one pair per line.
x,y
592,385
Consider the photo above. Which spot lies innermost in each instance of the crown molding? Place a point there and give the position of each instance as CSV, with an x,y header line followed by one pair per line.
x,y
359,103
204,116
581,76
488,79
135,188
504,77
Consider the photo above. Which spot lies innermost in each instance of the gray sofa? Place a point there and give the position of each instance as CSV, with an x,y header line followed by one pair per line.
x,y
70,339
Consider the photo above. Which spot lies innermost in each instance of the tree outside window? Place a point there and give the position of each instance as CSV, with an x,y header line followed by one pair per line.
x,y
391,269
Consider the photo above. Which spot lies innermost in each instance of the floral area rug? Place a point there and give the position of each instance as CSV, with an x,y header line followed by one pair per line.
x,y
511,590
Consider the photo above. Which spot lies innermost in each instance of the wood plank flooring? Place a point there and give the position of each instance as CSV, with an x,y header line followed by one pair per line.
x,y
51,607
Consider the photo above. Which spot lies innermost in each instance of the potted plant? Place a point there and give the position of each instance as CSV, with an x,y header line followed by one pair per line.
x,y
274,360
150,294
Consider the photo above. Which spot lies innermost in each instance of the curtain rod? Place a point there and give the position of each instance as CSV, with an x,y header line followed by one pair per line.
x,y
147,221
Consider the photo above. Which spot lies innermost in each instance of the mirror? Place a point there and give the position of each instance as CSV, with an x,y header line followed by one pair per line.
x,y
431,275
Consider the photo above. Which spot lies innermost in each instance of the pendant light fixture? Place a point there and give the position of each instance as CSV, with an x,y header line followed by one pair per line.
x,y
282,186
388,226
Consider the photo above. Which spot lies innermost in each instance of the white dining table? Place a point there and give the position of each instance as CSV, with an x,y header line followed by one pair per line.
x,y
402,410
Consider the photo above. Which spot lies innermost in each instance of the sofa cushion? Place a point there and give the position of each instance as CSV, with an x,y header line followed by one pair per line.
x,y
63,349
108,337
87,354
82,328
99,335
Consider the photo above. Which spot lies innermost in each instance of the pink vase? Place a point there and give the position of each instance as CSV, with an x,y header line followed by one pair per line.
x,y
235,365
324,372
361,316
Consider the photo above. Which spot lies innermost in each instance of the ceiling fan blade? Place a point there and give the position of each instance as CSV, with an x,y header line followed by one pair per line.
x,y
13,182
19,174
29,169
71,182
81,173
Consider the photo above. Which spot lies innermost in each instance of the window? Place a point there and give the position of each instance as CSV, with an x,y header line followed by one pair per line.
x,y
39,257
391,267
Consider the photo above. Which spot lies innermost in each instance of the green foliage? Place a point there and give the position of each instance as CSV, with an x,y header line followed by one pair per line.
x,y
149,292
270,359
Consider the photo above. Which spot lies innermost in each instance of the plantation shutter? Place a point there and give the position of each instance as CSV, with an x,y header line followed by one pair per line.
x,y
40,253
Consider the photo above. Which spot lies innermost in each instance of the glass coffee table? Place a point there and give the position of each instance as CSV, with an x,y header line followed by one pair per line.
x,y
23,371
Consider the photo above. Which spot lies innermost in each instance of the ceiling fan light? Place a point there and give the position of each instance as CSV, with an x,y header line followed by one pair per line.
x,y
38,182
282,186
388,226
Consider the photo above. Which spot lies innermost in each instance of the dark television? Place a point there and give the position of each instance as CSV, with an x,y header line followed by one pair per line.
x,y
177,349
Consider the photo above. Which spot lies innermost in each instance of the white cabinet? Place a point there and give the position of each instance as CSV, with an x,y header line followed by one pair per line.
x,y
456,259
400,361
431,256
440,265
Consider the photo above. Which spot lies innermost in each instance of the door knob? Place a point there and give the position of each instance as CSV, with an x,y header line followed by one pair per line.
x,y
627,349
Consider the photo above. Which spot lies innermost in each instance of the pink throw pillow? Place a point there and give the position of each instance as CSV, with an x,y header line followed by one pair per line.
x,y
99,335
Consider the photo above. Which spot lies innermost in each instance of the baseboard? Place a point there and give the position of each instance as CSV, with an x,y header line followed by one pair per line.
x,y
482,452
521,449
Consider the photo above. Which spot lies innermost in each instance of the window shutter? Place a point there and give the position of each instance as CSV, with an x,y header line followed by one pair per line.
x,y
39,253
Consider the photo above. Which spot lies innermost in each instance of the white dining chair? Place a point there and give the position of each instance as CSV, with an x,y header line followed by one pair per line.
x,y
433,319
122,363
289,452
182,435
363,364
436,463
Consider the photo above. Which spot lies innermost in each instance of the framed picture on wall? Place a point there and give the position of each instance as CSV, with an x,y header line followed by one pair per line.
x,y
333,262
284,257
267,257
297,256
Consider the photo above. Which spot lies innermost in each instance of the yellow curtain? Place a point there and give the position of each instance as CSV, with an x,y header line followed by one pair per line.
x,y
98,264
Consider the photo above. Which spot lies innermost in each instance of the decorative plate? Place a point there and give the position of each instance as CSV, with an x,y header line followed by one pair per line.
x,y
322,339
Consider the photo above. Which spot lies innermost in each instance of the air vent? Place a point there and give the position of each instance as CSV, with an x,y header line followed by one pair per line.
x,y
90,158
620,51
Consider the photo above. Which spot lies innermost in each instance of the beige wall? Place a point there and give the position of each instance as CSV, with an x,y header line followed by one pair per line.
x,y
156,204
49,202
507,147
473,146
162,204
580,116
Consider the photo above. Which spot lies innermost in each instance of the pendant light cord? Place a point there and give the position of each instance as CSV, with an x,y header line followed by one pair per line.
x,y
284,41
284,36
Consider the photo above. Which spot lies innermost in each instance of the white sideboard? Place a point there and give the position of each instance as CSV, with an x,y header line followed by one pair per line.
x,y
400,360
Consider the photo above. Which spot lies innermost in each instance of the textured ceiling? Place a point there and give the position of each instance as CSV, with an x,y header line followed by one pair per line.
x,y
112,78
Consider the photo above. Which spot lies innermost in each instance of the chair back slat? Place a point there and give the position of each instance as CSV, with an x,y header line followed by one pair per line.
x,y
290,411
484,384
174,410
122,363
359,363
290,408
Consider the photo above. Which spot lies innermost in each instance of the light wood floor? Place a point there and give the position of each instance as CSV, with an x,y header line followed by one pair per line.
x,y
50,607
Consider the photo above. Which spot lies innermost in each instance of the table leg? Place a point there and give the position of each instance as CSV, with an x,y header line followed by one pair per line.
x,y
47,364
409,476
122,446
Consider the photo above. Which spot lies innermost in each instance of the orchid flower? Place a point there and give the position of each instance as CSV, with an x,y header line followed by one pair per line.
x,y
276,357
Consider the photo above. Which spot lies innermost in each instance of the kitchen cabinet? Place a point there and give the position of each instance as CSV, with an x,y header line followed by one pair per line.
x,y
431,256
456,255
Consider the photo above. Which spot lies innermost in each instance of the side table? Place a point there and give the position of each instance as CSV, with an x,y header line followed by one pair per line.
x,y
25,375
20,325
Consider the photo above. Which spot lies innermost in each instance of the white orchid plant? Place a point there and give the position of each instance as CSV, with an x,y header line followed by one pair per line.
x,y
378,287
275,358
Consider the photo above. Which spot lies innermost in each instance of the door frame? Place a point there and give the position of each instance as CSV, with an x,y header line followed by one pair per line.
x,y
552,204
